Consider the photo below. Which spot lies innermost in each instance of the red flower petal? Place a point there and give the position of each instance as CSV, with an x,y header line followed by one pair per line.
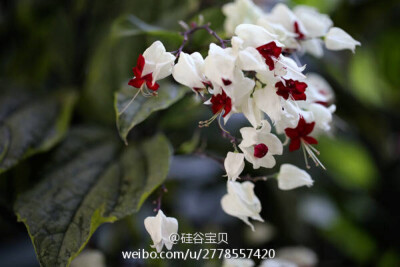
x,y
140,62
268,51
308,128
221,101
153,87
294,144
136,82
300,35
294,88
310,140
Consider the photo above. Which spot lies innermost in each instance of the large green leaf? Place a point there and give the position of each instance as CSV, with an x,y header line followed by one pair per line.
x,y
92,180
130,113
31,125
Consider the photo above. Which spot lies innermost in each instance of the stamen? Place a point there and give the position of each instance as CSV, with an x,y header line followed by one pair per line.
x,y
313,157
209,121
130,102
305,156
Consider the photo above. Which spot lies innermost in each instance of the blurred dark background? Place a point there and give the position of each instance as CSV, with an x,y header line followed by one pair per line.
x,y
350,217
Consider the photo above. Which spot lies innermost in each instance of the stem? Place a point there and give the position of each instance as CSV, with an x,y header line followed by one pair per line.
x,y
158,201
257,178
231,138
186,36
217,159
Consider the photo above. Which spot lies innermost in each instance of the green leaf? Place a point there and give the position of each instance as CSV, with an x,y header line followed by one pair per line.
x,y
91,181
130,113
29,126
359,171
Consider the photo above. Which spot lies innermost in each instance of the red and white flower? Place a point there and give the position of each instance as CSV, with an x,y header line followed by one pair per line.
x,y
260,145
155,64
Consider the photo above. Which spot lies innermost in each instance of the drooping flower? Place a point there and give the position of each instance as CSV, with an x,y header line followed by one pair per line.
x,y
219,65
300,134
189,71
338,39
291,177
295,89
160,228
155,64
241,202
139,78
260,146
234,165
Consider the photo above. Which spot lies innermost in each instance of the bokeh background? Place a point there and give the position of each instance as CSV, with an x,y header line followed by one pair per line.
x,y
350,217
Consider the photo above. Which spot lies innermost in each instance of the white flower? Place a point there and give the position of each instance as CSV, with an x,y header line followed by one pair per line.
x,y
288,69
313,47
277,263
238,12
268,101
322,117
282,15
290,116
234,165
252,113
255,36
284,36
249,59
89,258
160,228
338,39
291,177
237,263
189,70
260,146
301,256
315,23
158,61
239,89
241,202
318,89
219,65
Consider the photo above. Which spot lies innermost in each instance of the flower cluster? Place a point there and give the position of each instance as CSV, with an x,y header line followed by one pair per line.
x,y
258,75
